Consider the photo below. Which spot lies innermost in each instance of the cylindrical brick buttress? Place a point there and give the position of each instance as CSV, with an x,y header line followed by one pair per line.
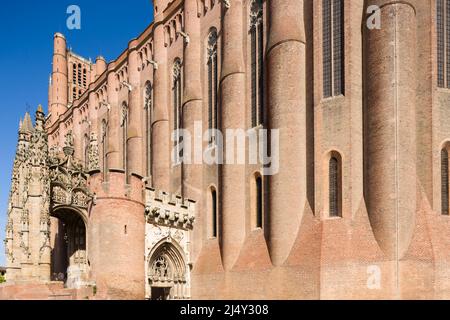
x,y
192,113
116,238
390,143
287,113
233,117
160,122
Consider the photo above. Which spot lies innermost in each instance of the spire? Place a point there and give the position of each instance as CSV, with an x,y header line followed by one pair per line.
x,y
20,124
39,109
27,124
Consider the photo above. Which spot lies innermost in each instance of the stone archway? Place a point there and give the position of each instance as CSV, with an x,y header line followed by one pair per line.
x,y
69,256
168,272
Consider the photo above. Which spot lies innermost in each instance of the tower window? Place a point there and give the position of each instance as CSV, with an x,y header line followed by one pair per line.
x,y
333,47
79,75
74,74
335,189
257,62
84,78
444,182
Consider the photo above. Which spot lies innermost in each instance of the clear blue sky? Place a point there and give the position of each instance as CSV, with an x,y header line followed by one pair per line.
x,y
26,35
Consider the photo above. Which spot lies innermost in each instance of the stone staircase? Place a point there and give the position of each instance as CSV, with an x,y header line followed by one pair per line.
x,y
43,291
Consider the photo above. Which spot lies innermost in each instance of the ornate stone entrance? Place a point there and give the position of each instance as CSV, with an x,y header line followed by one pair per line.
x,y
167,272
170,220
70,199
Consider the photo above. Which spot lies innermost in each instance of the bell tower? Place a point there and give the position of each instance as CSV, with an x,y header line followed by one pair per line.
x,y
59,78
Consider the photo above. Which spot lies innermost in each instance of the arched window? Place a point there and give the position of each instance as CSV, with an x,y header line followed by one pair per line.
x,y
444,182
177,107
257,62
124,125
214,213
148,106
335,187
105,148
213,84
333,47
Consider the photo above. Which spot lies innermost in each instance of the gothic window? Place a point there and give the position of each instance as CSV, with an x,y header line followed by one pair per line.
x,y
74,93
148,106
84,78
214,213
79,74
335,187
177,108
444,182
257,62
333,47
213,84
443,42
124,125
74,73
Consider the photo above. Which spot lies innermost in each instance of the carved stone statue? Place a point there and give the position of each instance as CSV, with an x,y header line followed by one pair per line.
x,y
93,154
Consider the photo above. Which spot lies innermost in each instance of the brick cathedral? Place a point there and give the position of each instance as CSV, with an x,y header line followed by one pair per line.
x,y
359,208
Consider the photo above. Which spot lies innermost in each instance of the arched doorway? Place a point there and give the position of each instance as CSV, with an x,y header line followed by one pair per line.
x,y
69,256
167,273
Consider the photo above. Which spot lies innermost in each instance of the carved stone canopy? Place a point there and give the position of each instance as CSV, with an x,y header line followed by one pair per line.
x,y
68,183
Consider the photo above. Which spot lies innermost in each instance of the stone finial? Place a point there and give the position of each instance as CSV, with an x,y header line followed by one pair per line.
x,y
40,118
